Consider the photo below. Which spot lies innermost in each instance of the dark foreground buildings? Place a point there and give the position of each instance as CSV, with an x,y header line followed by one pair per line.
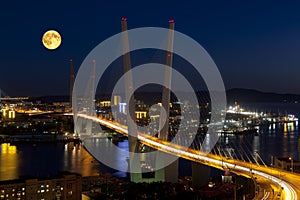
x,y
63,186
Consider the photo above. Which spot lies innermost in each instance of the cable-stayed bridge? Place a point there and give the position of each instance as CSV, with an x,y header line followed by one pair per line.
x,y
287,182
242,161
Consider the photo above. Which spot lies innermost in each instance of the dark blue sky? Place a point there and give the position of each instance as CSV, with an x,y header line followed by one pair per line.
x,y
255,44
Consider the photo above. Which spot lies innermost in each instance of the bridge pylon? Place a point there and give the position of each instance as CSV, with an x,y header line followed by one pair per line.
x,y
170,172
200,174
134,161
91,108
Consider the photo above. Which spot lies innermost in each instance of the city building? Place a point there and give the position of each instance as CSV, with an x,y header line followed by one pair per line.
x,y
122,108
8,112
104,104
140,114
117,100
65,185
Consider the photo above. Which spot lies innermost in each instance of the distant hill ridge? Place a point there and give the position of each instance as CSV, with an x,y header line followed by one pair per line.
x,y
253,96
236,94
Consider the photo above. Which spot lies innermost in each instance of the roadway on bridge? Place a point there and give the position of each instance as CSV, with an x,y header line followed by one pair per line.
x,y
271,181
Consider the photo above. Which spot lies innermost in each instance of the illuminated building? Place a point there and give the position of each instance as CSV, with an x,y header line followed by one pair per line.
x,y
11,114
64,186
104,103
122,108
117,100
8,149
8,112
140,114
4,111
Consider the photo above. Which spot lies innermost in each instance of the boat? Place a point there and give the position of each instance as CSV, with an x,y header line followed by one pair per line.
x,y
240,130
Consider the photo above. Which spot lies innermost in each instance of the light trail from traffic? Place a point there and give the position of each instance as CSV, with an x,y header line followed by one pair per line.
x,y
246,169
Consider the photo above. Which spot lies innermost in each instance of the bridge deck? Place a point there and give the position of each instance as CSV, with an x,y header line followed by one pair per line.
x,y
286,183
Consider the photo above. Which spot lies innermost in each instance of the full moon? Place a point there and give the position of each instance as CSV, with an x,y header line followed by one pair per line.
x,y
51,39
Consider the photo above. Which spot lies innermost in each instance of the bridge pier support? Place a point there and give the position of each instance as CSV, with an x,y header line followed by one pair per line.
x,y
167,173
171,172
89,127
200,174
135,177
164,173
84,126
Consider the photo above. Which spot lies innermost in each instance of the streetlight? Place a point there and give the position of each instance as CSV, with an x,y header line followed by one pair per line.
x,y
292,162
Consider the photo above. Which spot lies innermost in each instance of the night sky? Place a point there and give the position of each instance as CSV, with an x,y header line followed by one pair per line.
x,y
255,44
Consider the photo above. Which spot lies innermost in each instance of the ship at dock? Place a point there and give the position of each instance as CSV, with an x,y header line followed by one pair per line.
x,y
241,121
